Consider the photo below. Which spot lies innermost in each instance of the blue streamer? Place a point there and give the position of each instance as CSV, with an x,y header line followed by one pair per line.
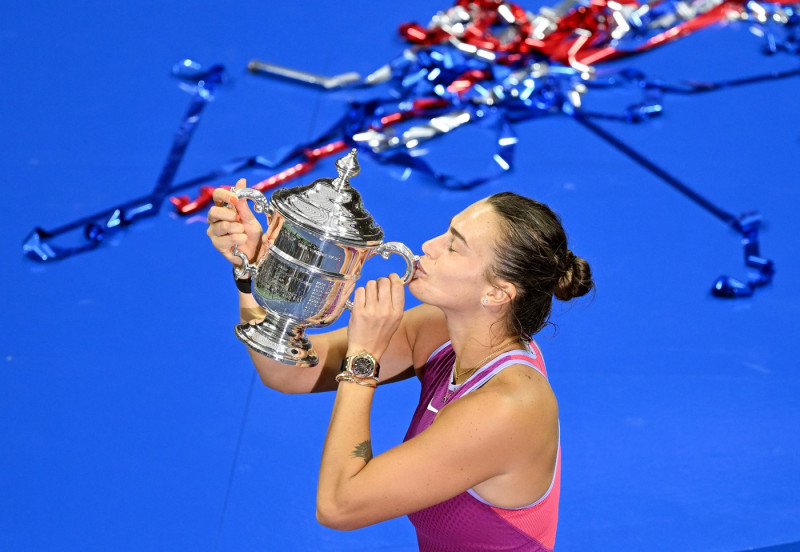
x,y
39,244
747,224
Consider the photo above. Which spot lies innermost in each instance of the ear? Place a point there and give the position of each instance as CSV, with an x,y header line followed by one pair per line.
x,y
500,293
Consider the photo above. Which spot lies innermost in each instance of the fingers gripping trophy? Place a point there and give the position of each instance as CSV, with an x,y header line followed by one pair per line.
x,y
320,235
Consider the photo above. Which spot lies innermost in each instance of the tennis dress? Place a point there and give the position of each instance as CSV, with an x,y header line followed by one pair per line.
x,y
467,522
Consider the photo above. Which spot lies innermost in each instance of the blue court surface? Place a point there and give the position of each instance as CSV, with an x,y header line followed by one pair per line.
x,y
132,419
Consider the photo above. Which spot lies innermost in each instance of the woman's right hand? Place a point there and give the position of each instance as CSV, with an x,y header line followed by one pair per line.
x,y
232,223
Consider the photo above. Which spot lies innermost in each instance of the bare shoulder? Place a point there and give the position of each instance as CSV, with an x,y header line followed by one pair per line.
x,y
426,330
525,387
518,397
512,415
513,422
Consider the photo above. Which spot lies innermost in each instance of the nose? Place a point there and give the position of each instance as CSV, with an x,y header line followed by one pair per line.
x,y
430,247
426,248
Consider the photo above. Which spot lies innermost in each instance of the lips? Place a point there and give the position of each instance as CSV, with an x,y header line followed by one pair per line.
x,y
420,269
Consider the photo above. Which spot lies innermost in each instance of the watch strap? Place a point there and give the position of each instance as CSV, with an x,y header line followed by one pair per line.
x,y
243,284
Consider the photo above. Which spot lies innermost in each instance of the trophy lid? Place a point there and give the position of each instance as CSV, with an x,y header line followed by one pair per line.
x,y
331,207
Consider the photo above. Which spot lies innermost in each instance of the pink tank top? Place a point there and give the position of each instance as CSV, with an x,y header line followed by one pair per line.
x,y
467,522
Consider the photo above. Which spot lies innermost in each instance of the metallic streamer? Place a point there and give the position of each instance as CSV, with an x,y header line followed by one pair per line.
x,y
39,244
491,63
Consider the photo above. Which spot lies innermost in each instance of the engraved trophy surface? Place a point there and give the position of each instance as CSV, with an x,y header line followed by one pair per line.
x,y
320,237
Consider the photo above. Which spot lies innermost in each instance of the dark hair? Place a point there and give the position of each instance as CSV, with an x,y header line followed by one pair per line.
x,y
531,252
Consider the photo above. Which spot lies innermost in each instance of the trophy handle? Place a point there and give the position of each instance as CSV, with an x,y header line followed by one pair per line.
x,y
246,268
386,249
262,205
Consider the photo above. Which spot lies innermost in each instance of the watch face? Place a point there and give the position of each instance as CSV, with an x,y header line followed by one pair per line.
x,y
362,366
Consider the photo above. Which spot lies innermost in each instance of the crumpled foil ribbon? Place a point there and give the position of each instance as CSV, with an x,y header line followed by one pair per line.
x,y
492,63
486,60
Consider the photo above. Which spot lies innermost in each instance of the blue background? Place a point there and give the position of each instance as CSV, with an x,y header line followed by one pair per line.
x,y
131,417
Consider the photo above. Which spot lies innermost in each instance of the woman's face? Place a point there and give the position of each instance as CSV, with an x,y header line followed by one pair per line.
x,y
451,274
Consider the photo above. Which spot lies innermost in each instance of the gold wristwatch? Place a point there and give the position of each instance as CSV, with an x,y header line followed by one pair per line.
x,y
361,365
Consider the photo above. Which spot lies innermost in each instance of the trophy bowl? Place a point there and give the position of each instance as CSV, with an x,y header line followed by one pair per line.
x,y
320,235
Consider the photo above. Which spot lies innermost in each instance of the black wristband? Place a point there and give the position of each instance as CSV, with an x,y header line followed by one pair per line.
x,y
243,284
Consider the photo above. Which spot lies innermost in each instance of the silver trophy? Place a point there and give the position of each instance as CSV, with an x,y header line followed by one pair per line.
x,y
320,237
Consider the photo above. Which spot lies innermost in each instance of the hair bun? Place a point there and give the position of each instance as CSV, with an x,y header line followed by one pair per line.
x,y
576,280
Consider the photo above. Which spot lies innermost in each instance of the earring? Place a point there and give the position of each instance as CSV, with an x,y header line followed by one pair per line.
x,y
484,301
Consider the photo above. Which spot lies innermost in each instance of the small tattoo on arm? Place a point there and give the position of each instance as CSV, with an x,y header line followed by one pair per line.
x,y
363,450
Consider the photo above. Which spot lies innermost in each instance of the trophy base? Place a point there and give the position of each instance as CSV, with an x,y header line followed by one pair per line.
x,y
284,343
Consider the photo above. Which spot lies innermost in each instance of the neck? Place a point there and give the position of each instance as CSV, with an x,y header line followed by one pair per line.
x,y
474,334
474,345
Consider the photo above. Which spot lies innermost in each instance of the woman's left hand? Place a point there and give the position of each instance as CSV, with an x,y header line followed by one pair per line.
x,y
376,315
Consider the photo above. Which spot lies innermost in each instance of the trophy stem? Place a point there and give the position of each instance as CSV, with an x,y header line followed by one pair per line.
x,y
280,339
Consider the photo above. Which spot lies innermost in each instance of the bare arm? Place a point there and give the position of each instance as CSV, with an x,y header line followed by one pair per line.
x,y
421,330
483,437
